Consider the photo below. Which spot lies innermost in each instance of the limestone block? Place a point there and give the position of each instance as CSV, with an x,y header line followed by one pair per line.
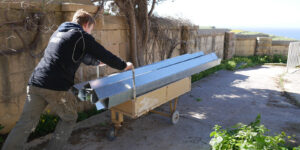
x,y
124,35
115,22
113,48
68,16
17,83
33,5
72,7
124,51
10,112
229,45
105,38
264,45
114,36
219,45
245,47
279,50
99,23
19,63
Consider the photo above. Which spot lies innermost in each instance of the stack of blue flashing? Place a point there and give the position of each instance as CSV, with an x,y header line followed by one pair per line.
x,y
118,88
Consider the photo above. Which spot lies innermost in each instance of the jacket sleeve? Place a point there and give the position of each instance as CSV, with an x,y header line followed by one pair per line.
x,y
90,60
99,52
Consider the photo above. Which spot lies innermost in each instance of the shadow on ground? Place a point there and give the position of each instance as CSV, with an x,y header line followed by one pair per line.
x,y
224,98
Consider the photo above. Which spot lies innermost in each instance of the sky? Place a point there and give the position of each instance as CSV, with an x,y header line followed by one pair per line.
x,y
235,13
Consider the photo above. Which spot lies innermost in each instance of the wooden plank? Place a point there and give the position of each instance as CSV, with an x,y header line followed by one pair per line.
x,y
153,99
178,88
149,101
126,108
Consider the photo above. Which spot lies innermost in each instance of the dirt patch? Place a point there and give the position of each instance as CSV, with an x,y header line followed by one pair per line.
x,y
289,99
81,135
295,129
277,99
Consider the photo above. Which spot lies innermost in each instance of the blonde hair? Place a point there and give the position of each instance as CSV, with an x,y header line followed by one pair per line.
x,y
82,17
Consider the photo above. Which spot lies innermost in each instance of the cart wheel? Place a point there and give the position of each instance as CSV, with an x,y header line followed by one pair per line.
x,y
175,117
111,134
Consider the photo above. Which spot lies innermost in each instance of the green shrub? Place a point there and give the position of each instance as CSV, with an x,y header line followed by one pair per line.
x,y
247,137
206,73
86,114
48,122
45,126
230,65
279,59
1,138
198,99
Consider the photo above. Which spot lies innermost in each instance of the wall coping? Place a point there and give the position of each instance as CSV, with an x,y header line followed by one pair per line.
x,y
211,31
55,6
254,36
74,6
282,43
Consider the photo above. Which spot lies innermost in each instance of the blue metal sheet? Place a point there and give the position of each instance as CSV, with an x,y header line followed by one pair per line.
x,y
120,92
113,90
139,71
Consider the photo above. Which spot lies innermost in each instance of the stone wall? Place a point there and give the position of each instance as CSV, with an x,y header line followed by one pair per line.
x,y
189,39
280,47
245,46
31,40
209,40
263,46
16,68
229,45
260,44
19,32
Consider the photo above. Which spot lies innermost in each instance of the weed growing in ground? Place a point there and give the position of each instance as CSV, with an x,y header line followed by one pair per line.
x,y
198,99
248,137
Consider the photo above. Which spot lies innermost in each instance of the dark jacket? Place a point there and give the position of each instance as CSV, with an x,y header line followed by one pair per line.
x,y
66,49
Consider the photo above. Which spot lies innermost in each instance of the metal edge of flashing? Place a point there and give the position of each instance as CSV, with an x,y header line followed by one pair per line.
x,y
139,71
123,90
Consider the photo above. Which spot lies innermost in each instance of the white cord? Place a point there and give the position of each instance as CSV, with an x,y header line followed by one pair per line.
x,y
133,81
75,61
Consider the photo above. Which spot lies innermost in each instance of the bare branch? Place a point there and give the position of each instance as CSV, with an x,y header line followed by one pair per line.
x,y
100,9
152,8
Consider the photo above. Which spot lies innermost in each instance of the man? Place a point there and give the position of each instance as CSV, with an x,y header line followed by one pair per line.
x,y
51,80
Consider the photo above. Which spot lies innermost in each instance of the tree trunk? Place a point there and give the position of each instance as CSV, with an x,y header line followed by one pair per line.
x,y
137,15
127,7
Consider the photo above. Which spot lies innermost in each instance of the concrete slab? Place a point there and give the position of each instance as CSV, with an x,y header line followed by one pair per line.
x,y
224,98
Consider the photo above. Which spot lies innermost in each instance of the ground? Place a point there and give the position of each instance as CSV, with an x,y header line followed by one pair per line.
x,y
224,98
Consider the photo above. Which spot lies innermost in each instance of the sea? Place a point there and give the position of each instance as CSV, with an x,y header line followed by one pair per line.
x,y
293,33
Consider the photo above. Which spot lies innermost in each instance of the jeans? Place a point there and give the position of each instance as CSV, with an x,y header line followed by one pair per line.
x,y
64,105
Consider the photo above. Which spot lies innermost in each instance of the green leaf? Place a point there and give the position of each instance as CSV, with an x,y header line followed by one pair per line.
x,y
199,99
248,137
1,127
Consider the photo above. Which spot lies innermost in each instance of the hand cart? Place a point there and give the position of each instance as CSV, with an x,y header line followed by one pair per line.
x,y
147,103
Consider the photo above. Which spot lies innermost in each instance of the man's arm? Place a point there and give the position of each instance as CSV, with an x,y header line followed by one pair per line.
x,y
90,60
99,52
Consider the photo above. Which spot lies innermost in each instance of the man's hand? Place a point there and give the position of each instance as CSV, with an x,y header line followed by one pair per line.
x,y
102,64
129,66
